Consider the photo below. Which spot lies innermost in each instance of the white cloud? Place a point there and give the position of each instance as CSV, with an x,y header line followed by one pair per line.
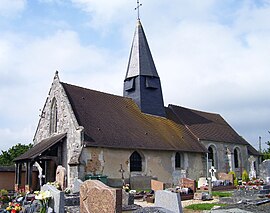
x,y
205,62
10,137
27,67
104,12
10,8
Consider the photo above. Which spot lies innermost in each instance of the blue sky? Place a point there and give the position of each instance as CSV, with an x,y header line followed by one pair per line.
x,y
211,56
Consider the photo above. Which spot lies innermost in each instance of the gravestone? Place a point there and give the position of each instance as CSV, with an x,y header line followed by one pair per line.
x,y
265,171
168,200
57,201
157,185
202,182
127,198
61,176
252,172
225,177
188,183
140,182
76,185
96,197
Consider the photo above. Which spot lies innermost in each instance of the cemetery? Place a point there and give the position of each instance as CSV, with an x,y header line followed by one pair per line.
x,y
145,195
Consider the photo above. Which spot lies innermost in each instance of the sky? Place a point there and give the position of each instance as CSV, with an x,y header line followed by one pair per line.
x,y
211,55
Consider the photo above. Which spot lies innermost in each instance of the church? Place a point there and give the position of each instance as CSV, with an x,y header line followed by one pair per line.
x,y
94,133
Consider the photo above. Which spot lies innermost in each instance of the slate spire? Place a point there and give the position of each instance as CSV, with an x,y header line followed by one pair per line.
x,y
142,82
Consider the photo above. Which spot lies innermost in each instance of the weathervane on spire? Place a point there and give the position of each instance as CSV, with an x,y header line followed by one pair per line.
x,y
138,9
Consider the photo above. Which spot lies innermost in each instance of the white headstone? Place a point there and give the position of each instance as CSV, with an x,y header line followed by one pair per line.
x,y
202,182
252,171
212,171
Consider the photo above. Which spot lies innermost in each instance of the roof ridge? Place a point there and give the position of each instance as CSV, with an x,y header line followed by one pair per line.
x,y
97,91
195,110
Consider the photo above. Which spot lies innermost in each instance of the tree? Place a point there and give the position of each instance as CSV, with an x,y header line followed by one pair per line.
x,y
7,157
266,152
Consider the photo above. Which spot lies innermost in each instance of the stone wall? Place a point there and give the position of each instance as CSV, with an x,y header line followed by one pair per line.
x,y
157,164
225,157
66,123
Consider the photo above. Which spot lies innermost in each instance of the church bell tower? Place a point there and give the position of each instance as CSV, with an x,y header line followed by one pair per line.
x,y
142,82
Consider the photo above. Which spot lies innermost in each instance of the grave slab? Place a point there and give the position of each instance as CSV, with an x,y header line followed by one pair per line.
x,y
168,200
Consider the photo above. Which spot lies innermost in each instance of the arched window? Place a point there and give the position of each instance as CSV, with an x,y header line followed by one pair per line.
x,y
135,162
236,158
53,117
178,160
211,155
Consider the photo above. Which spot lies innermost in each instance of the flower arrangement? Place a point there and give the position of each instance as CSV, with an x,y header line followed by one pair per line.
x,y
55,184
4,198
43,197
256,182
126,187
13,207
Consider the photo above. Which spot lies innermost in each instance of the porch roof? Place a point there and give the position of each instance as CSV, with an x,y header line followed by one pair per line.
x,y
40,147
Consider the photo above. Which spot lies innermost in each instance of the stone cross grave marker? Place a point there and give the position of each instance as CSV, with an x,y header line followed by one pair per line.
x,y
121,170
212,171
252,172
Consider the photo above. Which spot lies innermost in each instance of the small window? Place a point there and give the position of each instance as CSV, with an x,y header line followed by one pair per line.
x,y
211,155
178,160
135,162
129,84
236,158
53,117
152,83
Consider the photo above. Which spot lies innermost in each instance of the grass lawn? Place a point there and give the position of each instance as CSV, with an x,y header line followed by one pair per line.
x,y
203,206
221,194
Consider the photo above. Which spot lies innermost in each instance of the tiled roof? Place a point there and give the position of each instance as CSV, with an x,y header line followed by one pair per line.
x,y
253,151
207,126
116,122
140,60
40,147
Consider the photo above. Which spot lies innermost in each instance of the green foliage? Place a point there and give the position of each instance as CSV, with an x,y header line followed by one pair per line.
x,y
245,176
203,206
235,180
4,196
7,157
266,152
221,194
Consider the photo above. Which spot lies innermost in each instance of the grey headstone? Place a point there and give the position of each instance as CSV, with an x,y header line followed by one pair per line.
x,y
140,182
265,170
152,210
168,200
76,185
57,202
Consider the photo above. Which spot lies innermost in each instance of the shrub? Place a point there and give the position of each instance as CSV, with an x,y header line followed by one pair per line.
x,y
235,180
245,176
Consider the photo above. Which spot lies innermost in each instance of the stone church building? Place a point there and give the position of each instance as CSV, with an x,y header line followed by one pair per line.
x,y
90,132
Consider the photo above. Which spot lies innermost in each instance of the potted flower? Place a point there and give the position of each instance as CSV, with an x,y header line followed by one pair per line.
x,y
43,197
13,207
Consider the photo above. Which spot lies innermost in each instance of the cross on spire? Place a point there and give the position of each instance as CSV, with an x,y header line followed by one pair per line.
x,y
138,9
